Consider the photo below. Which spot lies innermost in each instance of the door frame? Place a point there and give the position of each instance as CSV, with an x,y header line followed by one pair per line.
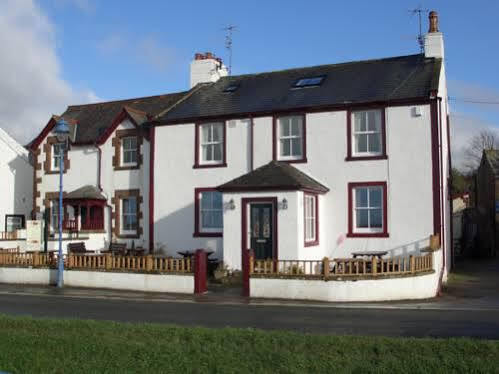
x,y
245,203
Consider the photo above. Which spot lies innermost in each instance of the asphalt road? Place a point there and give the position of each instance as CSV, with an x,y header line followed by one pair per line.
x,y
323,320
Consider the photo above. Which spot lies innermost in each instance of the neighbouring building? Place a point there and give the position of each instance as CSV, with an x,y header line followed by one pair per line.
x,y
296,164
487,203
16,174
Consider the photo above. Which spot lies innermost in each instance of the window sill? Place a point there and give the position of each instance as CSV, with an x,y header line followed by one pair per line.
x,y
198,234
366,158
368,235
128,236
292,161
93,231
312,244
130,167
207,166
53,172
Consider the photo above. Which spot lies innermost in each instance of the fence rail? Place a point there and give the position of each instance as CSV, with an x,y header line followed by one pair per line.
x,y
8,235
347,267
107,262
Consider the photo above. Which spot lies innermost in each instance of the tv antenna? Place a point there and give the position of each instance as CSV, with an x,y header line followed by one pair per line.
x,y
419,11
228,43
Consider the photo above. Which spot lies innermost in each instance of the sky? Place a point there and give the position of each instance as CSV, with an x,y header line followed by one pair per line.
x,y
57,53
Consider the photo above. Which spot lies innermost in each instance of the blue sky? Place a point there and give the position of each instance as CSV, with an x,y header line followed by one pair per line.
x,y
103,50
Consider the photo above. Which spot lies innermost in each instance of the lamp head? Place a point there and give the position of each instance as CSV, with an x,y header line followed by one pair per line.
x,y
62,130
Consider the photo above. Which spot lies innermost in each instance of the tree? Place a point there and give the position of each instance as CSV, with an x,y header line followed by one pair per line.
x,y
485,140
460,182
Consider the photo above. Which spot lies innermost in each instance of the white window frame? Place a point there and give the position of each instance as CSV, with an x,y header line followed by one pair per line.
x,y
13,217
123,214
212,209
368,207
131,150
54,207
366,133
56,156
310,214
212,143
289,137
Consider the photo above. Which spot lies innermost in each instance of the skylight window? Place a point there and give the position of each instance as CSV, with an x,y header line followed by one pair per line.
x,y
309,82
231,88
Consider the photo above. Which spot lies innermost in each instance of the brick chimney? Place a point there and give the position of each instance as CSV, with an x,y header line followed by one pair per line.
x,y
433,40
206,67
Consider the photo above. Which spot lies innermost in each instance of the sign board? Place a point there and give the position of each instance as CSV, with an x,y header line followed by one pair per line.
x,y
34,235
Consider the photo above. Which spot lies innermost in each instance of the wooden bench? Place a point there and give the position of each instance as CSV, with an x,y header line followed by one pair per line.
x,y
116,249
78,248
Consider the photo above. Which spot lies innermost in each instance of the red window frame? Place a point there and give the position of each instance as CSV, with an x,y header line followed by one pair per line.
x,y
197,155
351,231
350,155
275,137
197,218
315,242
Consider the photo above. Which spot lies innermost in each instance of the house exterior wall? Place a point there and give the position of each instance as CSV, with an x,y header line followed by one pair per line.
x,y
407,172
16,173
84,170
487,193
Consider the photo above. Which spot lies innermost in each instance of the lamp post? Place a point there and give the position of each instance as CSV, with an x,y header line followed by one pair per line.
x,y
62,133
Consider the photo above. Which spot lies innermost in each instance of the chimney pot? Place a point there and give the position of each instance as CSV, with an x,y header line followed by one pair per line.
x,y
433,16
198,56
208,55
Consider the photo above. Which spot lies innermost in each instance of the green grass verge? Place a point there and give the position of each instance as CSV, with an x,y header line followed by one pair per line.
x,y
75,346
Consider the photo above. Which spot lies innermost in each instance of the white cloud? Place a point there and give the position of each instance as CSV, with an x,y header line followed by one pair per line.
x,y
86,6
31,86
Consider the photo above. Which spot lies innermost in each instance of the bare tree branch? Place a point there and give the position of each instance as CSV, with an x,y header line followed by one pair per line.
x,y
485,140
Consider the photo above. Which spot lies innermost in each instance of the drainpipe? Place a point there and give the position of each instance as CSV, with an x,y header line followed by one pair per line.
x,y
252,148
99,186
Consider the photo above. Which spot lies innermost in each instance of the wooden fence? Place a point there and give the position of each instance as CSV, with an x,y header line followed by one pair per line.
x,y
104,262
8,235
349,267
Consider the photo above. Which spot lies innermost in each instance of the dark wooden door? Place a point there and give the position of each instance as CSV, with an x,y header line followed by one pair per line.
x,y
262,231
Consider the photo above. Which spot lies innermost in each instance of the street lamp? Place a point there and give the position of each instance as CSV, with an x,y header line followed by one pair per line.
x,y
62,133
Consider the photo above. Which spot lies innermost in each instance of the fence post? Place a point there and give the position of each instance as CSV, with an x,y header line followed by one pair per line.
x,y
374,265
108,261
149,263
412,264
200,265
434,242
325,267
36,259
247,265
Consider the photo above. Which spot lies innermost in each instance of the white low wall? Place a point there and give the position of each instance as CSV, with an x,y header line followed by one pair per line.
x,y
21,243
100,279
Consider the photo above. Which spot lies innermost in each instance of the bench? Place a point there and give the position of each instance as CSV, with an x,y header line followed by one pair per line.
x,y
78,248
116,249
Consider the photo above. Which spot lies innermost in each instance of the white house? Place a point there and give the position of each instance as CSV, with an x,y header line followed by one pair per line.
x,y
296,164
309,162
15,190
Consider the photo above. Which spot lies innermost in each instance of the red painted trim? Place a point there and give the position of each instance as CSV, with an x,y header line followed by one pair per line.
x,y
152,144
244,223
197,165
351,233
275,188
311,109
442,199
197,232
252,140
383,155
200,271
43,134
275,156
116,122
316,241
435,167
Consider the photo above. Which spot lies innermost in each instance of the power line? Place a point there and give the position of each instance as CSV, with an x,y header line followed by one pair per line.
x,y
473,101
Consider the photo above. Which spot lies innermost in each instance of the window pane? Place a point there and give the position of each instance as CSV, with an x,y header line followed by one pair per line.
x,y
217,200
376,218
375,197
218,219
360,197
285,147
217,132
205,133
206,200
360,121
206,153
361,143
296,126
217,152
374,143
372,120
284,126
362,218
133,156
296,147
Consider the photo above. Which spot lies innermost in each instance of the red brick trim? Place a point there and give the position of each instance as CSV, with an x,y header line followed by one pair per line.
x,y
118,196
351,233
116,143
350,156
47,148
316,241
197,164
275,138
152,142
197,221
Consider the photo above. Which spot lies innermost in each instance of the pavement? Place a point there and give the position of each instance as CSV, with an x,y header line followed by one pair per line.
x,y
468,307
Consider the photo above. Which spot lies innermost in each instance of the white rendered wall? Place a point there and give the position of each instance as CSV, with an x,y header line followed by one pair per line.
x,y
407,172
16,175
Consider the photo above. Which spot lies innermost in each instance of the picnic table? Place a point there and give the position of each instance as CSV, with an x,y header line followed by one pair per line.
x,y
370,254
191,253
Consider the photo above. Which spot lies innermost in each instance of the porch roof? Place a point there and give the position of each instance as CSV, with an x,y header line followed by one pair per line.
x,y
85,193
274,176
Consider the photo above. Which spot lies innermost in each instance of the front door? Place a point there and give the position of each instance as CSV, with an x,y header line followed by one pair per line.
x,y
262,230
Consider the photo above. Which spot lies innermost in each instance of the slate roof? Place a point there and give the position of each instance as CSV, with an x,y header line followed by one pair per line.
x,y
274,176
395,78
492,156
84,193
94,119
